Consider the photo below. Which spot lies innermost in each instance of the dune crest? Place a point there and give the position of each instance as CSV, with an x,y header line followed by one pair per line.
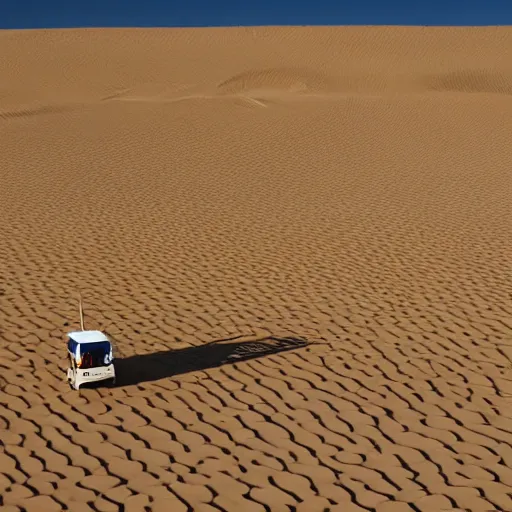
x,y
290,80
299,239
472,81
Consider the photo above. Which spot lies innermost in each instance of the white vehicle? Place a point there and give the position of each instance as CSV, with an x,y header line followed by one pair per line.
x,y
90,358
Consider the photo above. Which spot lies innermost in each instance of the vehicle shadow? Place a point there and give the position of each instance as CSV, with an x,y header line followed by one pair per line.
x,y
160,365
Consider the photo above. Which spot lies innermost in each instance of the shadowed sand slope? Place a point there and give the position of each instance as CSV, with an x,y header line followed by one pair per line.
x,y
300,240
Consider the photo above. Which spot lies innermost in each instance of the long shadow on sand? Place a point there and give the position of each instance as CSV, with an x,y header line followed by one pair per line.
x,y
160,365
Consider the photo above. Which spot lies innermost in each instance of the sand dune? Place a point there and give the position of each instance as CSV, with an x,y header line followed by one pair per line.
x,y
299,238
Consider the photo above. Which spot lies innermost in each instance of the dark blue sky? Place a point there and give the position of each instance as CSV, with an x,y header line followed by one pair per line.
x,y
172,13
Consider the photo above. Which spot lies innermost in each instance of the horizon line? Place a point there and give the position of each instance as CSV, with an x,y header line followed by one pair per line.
x,y
319,25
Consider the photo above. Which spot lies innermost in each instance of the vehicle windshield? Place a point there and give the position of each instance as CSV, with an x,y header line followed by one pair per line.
x,y
93,355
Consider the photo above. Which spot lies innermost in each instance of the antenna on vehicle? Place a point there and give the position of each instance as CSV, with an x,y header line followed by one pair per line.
x,y
81,311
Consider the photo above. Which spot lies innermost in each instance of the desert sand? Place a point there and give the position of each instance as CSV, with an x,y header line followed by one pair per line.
x,y
300,240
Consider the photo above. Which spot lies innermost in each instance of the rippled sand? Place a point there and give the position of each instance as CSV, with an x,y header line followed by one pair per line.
x,y
300,240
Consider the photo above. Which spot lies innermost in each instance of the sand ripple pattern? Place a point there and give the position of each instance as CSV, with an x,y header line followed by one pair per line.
x,y
311,302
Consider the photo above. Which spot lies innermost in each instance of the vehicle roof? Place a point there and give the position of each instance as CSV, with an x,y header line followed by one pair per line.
x,y
88,337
